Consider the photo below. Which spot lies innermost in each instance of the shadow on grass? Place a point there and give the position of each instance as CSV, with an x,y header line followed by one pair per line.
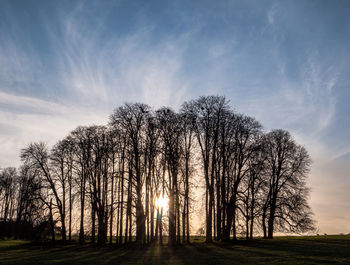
x,y
301,250
279,251
47,253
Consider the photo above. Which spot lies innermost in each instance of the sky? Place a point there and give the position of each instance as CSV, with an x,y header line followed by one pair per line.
x,y
286,63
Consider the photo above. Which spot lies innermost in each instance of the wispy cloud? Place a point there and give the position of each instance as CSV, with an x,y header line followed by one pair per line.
x,y
93,75
25,104
271,14
25,119
119,68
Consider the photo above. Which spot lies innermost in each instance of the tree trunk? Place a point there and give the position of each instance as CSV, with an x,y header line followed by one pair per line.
x,y
101,239
218,213
147,209
161,228
82,202
63,228
70,209
209,235
52,224
184,219
263,221
230,216
112,201
178,237
121,203
172,220
152,215
271,219
93,223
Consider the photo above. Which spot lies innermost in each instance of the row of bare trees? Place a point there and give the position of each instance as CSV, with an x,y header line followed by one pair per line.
x,y
105,181
251,177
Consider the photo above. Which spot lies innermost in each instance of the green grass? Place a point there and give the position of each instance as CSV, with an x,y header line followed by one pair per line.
x,y
281,250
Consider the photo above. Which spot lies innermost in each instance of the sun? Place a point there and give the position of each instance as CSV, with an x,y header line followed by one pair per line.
x,y
162,202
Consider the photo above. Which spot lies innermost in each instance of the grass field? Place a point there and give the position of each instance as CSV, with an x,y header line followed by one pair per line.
x,y
281,250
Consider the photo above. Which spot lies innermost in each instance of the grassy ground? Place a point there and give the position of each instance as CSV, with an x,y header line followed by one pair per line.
x,y
281,250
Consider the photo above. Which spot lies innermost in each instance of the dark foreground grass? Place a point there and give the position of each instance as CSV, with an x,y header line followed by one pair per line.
x,y
282,250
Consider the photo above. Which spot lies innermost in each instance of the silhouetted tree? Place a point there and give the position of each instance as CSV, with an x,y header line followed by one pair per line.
x,y
8,192
133,119
252,181
37,156
206,113
287,166
187,134
170,133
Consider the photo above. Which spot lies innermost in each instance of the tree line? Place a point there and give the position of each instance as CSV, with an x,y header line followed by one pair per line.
x,y
108,179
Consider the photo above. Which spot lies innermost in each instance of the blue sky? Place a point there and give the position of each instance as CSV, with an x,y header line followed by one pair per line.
x,y
69,63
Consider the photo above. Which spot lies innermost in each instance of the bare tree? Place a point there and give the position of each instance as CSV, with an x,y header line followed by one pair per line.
x,y
170,133
246,129
37,156
82,141
207,114
132,118
8,190
287,165
187,134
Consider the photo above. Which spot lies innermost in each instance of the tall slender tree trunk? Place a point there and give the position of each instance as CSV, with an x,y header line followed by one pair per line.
x,y
214,219
230,215
118,232
263,221
126,226
247,223
186,200
187,221
271,218
209,232
140,215
52,224
63,206
234,212
206,215
218,205
147,209
70,208
161,228
63,228
152,214
172,218
184,217
82,210
112,202
93,223
178,237
130,212
251,227
130,226
157,225
252,206
121,203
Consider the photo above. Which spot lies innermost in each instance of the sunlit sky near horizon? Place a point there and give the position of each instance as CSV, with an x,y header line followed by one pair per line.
x,y
287,63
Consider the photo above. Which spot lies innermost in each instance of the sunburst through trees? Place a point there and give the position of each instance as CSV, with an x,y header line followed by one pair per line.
x,y
135,179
